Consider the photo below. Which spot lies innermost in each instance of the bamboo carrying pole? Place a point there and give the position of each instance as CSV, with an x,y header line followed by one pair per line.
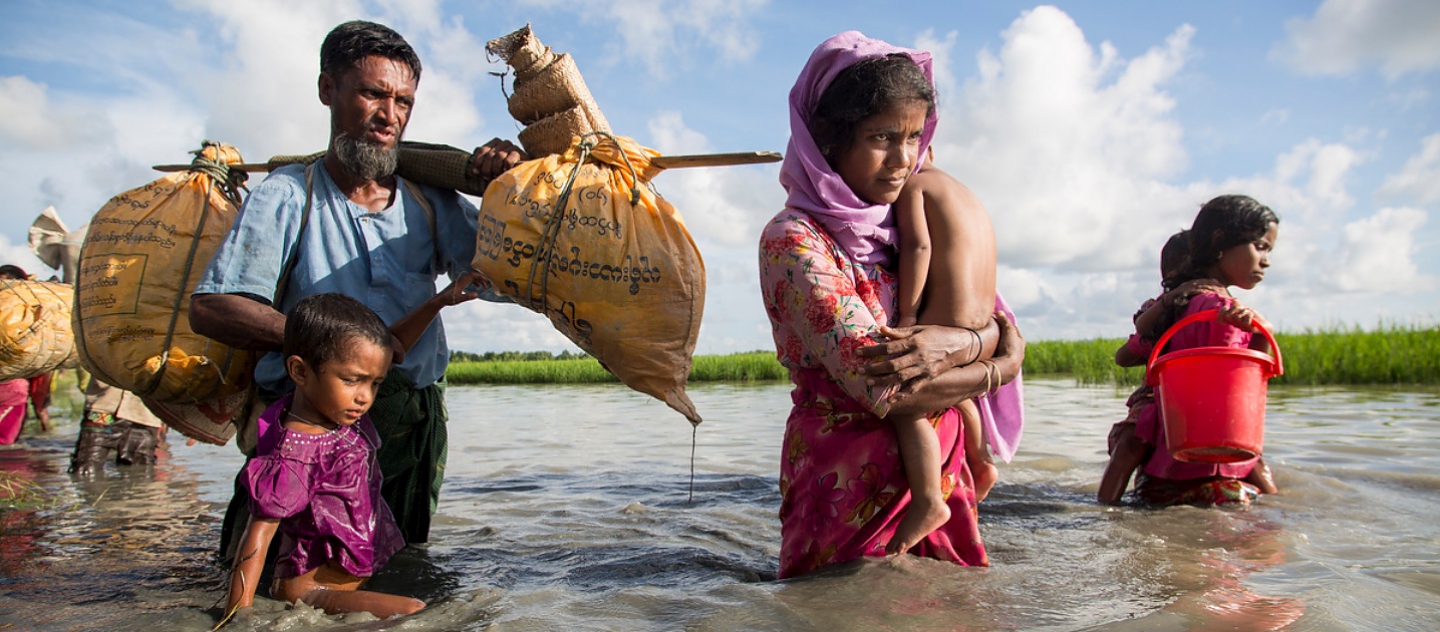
x,y
448,168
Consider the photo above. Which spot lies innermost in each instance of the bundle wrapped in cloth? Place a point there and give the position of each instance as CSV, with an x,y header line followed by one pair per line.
x,y
144,253
35,334
583,238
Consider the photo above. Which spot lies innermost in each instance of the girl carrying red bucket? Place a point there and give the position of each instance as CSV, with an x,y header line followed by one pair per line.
x,y
1229,244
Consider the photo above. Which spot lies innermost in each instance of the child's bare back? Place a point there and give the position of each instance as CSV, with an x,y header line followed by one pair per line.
x,y
947,252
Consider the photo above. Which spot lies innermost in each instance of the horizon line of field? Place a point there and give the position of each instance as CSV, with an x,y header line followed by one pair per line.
x,y
1390,354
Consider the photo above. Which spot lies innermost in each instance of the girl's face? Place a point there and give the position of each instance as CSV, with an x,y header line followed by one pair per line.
x,y
1243,265
884,152
341,390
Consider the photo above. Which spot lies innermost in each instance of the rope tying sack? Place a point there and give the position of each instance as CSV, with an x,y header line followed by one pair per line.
x,y
552,224
582,238
139,264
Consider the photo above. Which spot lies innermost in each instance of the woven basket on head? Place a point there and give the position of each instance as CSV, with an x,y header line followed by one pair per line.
x,y
522,51
554,88
550,98
554,134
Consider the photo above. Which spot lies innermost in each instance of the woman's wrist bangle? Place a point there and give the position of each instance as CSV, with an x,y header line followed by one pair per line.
x,y
979,343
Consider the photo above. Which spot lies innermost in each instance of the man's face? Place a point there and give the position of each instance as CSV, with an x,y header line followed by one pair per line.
x,y
371,102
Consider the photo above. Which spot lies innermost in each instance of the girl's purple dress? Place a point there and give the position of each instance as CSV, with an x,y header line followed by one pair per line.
x,y
325,491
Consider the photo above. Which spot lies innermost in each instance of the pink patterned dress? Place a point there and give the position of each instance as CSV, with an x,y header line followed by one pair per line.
x,y
842,483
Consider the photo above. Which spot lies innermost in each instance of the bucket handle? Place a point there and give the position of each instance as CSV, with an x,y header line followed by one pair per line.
x,y
1277,368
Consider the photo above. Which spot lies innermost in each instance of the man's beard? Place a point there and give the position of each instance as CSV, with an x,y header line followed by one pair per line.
x,y
365,160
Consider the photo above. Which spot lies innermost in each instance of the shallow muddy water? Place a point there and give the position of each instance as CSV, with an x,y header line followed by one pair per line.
x,y
567,507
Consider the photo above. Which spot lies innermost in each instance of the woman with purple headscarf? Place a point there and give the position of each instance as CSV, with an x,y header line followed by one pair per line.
x,y
861,115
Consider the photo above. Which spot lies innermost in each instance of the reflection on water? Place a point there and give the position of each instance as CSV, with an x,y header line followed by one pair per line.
x,y
567,508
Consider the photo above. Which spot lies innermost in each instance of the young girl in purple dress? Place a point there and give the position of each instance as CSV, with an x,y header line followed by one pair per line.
x,y
315,479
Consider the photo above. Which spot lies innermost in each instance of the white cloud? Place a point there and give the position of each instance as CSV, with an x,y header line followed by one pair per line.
x,y
1069,147
1376,254
726,206
29,118
1399,36
20,255
661,33
1420,177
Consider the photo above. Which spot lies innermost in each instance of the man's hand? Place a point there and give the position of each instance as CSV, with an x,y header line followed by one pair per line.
x,y
494,158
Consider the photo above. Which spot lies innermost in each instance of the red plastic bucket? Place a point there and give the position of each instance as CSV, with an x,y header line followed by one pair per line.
x,y
1212,399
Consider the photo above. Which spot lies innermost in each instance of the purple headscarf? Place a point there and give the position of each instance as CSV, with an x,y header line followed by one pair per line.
x,y
864,230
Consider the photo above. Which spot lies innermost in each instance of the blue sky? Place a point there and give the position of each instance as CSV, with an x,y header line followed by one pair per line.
x,y
1091,131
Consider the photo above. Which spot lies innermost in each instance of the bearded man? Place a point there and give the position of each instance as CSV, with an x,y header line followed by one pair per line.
x,y
347,224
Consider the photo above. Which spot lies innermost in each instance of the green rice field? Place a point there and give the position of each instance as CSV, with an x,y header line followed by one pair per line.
x,y
1389,354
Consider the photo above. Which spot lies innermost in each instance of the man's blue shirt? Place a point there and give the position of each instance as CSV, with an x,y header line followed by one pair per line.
x,y
387,260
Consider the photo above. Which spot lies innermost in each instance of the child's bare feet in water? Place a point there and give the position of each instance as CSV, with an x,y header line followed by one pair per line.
x,y
985,474
921,517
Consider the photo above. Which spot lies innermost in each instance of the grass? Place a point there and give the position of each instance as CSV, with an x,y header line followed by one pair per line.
x,y
1389,354
739,367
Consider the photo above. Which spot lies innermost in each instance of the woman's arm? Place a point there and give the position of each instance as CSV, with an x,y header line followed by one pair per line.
x,y
921,396
926,351
914,251
822,306
249,561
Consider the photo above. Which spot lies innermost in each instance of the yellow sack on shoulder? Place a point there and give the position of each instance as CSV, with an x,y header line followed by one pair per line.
x,y
582,238
144,254
35,335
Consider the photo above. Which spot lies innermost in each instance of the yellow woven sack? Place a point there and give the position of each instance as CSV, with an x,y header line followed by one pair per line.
x,y
143,256
35,335
582,238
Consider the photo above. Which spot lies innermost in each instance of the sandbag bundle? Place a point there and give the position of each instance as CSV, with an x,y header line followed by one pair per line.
x,y
143,255
550,97
582,238
35,334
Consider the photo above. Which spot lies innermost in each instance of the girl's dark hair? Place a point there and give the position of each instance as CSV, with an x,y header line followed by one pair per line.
x,y
1223,222
865,89
1173,254
10,271
353,41
322,326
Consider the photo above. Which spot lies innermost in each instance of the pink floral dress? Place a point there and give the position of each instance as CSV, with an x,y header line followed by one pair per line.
x,y
842,483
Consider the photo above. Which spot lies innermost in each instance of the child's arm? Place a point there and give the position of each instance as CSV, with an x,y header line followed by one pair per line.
x,y
249,561
410,327
1126,357
914,249
1149,320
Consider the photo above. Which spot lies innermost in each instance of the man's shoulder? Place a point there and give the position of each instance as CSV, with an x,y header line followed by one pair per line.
x,y
281,187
